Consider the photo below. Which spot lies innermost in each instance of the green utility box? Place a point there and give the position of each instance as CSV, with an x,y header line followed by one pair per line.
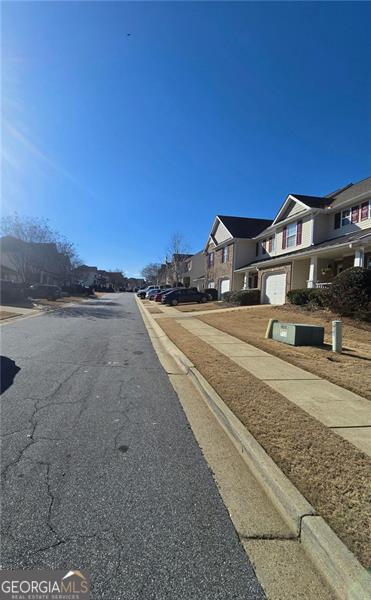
x,y
298,334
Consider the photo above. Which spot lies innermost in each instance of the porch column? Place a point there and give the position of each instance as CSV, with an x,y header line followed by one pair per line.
x,y
311,283
245,281
359,257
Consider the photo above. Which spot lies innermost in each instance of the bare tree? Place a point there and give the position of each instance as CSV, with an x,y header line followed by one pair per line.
x,y
151,272
176,252
25,254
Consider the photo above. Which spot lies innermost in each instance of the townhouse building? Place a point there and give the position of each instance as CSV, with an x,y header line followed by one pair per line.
x,y
229,246
310,241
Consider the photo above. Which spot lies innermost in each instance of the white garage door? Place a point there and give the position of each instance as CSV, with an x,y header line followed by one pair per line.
x,y
225,286
275,289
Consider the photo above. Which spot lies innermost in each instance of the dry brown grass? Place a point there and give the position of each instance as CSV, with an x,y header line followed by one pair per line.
x,y
351,369
154,310
5,314
329,471
202,307
56,303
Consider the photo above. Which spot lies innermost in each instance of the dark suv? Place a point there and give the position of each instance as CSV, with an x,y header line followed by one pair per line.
x,y
183,295
42,290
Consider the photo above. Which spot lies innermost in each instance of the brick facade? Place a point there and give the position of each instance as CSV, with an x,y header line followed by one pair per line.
x,y
220,270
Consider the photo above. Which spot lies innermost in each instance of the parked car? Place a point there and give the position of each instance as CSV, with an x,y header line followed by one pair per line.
x,y
142,292
43,290
162,293
212,293
152,293
183,295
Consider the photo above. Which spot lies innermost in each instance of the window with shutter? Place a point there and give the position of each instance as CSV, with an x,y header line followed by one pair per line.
x,y
270,244
299,229
355,214
264,246
257,249
337,219
291,235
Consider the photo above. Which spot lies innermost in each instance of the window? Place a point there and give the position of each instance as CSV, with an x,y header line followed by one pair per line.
x,y
271,244
366,210
337,220
291,235
253,280
345,217
225,254
210,259
257,249
264,246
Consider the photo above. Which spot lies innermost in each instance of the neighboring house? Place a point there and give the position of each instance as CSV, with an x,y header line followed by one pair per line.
x,y
31,262
86,275
194,271
230,245
310,241
132,283
177,270
110,279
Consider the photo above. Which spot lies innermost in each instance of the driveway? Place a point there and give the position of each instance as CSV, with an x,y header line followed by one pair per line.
x,y
101,470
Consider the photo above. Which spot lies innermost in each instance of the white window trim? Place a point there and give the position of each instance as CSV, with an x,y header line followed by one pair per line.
x,y
346,217
292,236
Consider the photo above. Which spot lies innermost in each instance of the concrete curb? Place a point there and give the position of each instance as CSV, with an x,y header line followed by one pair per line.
x,y
337,565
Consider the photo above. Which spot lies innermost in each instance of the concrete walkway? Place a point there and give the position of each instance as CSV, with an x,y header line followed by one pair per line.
x,y
341,410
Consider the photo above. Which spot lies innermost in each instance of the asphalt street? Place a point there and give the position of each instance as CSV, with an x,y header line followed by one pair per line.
x,y
100,469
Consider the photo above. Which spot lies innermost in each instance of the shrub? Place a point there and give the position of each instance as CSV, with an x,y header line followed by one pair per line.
x,y
299,296
319,297
350,293
243,297
226,297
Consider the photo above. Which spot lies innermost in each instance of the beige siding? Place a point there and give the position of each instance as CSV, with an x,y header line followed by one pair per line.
x,y
222,234
300,273
244,252
306,239
294,208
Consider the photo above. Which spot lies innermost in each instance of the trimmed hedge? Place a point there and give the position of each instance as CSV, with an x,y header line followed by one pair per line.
x,y
311,297
300,296
348,295
351,291
242,298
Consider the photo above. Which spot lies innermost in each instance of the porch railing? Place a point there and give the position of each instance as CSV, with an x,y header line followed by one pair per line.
x,y
322,285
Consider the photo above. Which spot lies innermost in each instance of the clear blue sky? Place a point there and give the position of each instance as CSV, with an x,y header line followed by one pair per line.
x,y
205,108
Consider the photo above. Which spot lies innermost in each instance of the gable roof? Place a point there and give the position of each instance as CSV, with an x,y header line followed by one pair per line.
x,y
244,227
314,201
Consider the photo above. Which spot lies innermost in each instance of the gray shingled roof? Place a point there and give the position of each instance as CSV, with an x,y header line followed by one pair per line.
x,y
244,227
314,201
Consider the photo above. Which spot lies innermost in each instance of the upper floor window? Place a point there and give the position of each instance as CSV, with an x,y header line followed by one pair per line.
x,y
292,235
271,244
345,217
225,254
257,249
264,246
210,259
353,215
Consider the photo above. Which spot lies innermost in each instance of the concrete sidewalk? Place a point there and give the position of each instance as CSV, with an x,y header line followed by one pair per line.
x,y
348,414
